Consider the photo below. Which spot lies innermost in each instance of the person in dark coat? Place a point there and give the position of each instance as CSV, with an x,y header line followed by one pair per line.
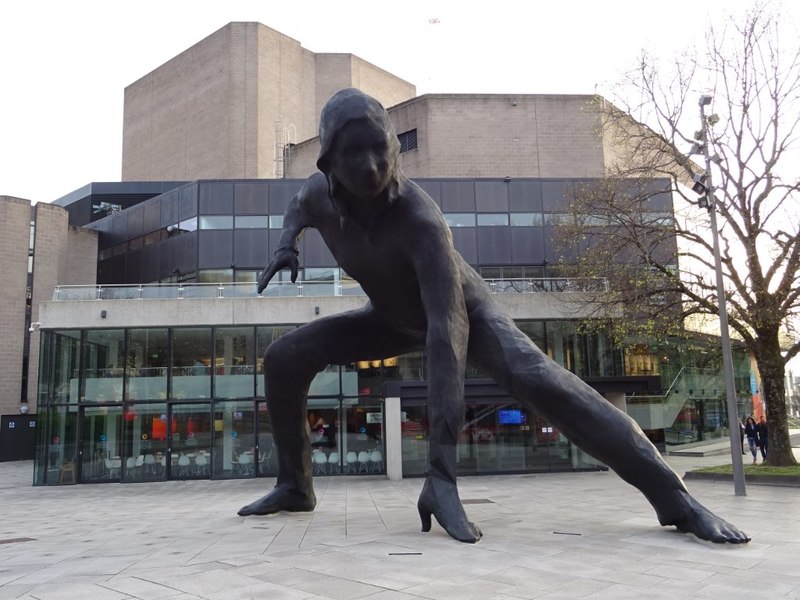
x,y
751,431
390,236
763,437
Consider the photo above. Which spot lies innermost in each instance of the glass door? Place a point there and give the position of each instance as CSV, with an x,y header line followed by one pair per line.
x,y
101,435
144,456
267,455
189,441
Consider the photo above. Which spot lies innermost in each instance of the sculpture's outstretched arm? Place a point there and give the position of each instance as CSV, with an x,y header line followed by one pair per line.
x,y
294,223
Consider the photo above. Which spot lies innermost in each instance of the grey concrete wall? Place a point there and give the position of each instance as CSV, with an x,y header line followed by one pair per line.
x,y
213,110
15,218
478,135
261,310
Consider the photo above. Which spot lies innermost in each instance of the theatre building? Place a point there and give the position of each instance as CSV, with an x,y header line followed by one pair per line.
x,y
152,368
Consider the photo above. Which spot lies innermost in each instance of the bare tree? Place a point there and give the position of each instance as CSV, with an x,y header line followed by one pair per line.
x,y
646,231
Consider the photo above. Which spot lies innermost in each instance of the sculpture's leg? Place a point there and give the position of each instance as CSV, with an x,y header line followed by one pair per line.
x,y
290,364
589,421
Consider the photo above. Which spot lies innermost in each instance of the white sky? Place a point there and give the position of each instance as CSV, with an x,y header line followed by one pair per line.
x,y
64,64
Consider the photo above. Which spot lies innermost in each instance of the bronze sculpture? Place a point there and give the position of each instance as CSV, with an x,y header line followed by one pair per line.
x,y
391,237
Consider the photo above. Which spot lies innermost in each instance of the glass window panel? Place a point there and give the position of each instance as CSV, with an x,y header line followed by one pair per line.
x,y
61,464
191,362
364,434
242,276
264,337
326,382
555,219
103,365
145,433
102,443
234,362
526,219
492,219
460,219
214,276
146,364
234,440
564,345
215,222
276,221
414,436
66,348
268,459
252,222
190,441
534,330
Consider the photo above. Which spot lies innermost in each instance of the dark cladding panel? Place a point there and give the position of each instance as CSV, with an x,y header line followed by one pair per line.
x,y
186,250
314,251
188,202
216,249
168,257
149,264
491,196
458,196
111,270
433,188
556,195
251,249
251,198
494,245
170,205
216,198
152,216
525,196
464,242
135,222
527,245
133,268
280,192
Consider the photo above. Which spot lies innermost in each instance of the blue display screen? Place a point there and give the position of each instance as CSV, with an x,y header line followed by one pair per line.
x,y
510,417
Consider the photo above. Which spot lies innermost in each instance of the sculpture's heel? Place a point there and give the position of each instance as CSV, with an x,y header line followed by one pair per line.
x,y
425,517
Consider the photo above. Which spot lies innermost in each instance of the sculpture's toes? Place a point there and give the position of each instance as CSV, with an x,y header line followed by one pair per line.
x,y
703,523
277,500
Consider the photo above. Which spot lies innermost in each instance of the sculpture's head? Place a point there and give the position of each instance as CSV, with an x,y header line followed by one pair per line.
x,y
359,149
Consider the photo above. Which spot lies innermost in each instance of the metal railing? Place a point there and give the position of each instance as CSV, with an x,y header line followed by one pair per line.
x,y
176,291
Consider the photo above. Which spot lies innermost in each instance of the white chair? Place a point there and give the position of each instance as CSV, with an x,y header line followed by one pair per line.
x,y
183,466
149,463
130,467
376,461
333,462
351,459
140,465
245,464
266,460
320,462
363,461
112,466
201,465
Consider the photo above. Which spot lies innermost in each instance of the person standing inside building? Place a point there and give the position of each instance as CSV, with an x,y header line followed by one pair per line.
x,y
763,437
751,431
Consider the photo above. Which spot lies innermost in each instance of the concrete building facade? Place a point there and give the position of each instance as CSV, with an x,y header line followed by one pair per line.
x,y
226,107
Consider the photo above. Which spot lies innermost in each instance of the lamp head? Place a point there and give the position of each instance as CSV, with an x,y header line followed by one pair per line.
x,y
705,100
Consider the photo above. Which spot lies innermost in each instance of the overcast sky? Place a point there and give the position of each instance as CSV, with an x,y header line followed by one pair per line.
x,y
64,64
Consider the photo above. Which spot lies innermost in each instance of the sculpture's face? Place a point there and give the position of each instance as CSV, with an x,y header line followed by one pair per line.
x,y
360,158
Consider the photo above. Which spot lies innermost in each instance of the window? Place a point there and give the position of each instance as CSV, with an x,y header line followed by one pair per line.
x,y
460,219
408,140
492,219
526,219
276,221
216,222
252,222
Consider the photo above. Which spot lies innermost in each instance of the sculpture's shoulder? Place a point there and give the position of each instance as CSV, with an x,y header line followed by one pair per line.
x,y
315,189
420,207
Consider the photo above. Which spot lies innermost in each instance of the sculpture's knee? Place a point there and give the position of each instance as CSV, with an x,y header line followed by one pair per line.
x,y
277,359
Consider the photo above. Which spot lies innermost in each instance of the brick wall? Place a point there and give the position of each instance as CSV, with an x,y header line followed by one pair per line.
x,y
15,217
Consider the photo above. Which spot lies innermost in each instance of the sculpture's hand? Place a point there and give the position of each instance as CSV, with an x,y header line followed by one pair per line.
x,y
285,258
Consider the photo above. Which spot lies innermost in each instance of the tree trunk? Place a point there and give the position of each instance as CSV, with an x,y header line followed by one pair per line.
x,y
772,370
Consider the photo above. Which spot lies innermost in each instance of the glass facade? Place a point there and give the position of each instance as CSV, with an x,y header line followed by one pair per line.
x,y
151,404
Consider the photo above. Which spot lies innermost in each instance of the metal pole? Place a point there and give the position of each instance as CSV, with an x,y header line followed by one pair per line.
x,y
727,357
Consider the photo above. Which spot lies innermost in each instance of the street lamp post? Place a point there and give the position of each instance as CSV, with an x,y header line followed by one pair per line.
x,y
727,357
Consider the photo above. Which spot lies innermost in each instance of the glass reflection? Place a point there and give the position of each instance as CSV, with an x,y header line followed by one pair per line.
x,y
66,352
234,351
190,441
62,426
145,432
101,444
191,363
234,440
103,362
146,364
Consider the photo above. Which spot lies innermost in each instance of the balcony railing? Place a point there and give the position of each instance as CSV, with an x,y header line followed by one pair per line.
x,y
176,291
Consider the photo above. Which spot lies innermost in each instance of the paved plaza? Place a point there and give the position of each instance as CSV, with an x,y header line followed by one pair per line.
x,y
553,536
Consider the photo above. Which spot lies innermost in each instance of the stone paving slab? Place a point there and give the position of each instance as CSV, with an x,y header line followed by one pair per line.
x,y
555,536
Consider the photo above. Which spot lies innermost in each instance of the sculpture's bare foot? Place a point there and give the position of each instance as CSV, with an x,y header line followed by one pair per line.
x,y
440,499
693,517
280,499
